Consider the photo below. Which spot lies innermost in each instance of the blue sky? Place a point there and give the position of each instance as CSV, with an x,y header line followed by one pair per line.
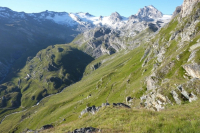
x,y
94,7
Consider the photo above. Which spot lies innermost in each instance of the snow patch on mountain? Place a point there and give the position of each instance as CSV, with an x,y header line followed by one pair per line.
x,y
115,20
62,19
165,17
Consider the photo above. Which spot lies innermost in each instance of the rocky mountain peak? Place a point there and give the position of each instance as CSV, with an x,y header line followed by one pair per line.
x,y
115,16
4,9
100,18
187,7
87,14
177,11
132,17
149,12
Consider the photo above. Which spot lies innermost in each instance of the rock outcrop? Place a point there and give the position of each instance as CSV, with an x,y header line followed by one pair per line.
x,y
129,101
177,10
120,105
86,130
193,70
176,98
115,17
154,101
149,13
45,127
187,7
91,109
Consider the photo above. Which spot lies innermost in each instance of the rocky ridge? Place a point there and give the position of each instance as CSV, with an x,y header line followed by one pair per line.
x,y
184,37
187,7
149,13
168,66
31,31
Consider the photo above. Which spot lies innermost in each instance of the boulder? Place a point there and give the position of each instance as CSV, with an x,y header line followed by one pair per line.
x,y
193,70
154,101
46,127
91,109
190,97
129,100
105,104
175,96
151,83
85,130
177,11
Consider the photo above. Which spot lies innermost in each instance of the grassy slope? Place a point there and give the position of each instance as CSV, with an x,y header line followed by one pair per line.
x,y
174,119
45,80
113,88
109,83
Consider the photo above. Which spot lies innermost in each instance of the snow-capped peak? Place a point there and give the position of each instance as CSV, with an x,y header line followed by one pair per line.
x,y
115,20
151,6
149,12
115,16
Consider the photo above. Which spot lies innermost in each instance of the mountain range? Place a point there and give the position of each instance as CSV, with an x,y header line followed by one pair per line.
x,y
34,31
115,20
63,72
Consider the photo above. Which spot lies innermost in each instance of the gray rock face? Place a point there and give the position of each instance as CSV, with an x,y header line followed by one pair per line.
x,y
187,7
91,109
151,83
193,70
176,98
100,41
101,31
190,97
177,11
115,17
193,47
148,13
154,101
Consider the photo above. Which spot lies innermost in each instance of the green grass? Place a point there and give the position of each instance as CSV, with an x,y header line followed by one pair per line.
x,y
174,119
46,80
118,76
113,87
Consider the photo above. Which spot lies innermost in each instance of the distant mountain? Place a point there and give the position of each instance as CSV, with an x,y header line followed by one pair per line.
x,y
147,65
22,32
115,20
23,35
149,13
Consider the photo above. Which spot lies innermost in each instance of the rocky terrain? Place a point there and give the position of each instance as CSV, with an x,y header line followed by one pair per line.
x,y
117,75
107,37
31,32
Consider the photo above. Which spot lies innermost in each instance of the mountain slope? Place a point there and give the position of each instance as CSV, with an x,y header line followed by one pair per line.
x,y
23,38
158,69
49,72
24,34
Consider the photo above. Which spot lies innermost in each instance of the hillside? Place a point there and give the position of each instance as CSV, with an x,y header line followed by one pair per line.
x,y
115,82
23,35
